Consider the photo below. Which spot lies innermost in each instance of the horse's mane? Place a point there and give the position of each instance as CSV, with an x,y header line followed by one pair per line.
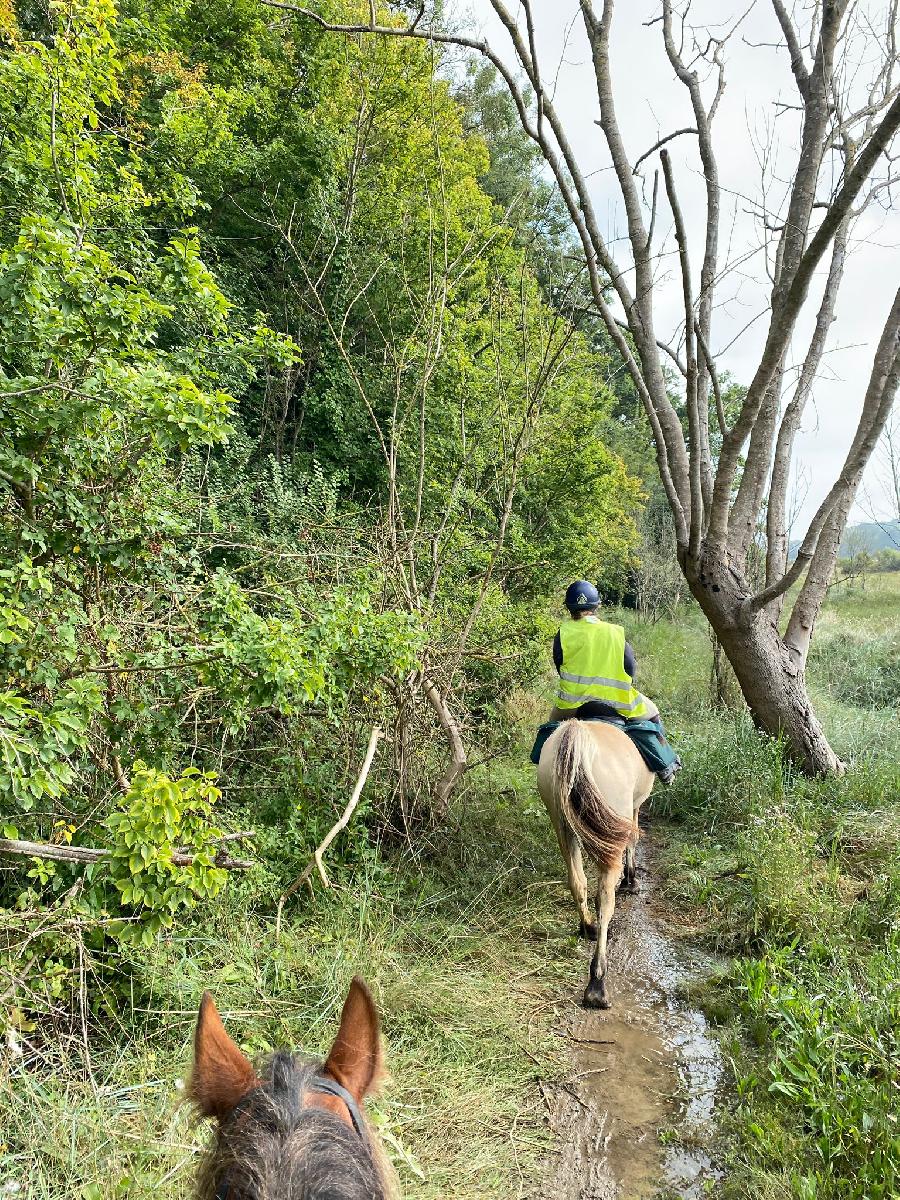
x,y
603,831
276,1146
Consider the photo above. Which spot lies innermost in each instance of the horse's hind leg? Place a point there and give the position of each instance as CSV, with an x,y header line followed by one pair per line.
x,y
595,993
629,879
570,848
578,887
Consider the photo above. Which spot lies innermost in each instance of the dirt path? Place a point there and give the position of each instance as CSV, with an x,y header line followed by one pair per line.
x,y
636,1114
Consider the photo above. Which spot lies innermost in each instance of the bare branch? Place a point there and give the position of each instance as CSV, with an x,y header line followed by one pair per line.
x,y
640,315
315,863
785,310
883,383
658,145
798,66
776,533
704,119
653,210
714,376
89,854
696,521
458,763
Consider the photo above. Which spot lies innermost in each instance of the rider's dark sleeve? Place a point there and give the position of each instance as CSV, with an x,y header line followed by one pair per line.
x,y
557,653
630,664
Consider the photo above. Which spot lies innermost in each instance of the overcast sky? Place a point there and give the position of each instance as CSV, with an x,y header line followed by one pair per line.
x,y
749,128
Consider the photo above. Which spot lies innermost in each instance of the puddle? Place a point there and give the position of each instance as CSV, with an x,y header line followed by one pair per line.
x,y
636,1114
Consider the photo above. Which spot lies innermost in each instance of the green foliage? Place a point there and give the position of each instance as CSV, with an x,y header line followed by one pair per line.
x,y
799,879
859,668
829,1031
514,176
292,412
37,745
156,818
886,559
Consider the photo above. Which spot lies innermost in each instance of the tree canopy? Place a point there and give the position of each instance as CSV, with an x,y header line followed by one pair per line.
x,y
293,420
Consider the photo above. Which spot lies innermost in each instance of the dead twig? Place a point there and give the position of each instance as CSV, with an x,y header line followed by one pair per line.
x,y
316,861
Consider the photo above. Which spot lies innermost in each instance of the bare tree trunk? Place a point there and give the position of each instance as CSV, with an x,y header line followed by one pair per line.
x,y
773,685
776,692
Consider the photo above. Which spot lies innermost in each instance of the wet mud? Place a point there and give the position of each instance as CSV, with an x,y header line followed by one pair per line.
x,y
635,1116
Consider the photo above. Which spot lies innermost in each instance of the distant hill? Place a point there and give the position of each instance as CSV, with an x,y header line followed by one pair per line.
x,y
884,536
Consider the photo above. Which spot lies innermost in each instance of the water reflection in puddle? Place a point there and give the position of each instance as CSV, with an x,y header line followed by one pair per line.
x,y
637,1113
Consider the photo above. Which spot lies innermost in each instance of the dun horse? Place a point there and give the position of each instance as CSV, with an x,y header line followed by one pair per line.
x,y
295,1129
593,782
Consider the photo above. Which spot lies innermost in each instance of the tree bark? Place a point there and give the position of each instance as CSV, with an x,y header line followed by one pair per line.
x,y
772,683
776,692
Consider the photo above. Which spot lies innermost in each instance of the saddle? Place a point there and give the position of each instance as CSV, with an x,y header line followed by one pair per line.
x,y
652,747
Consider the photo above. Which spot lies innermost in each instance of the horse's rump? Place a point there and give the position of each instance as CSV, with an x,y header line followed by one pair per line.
x,y
603,832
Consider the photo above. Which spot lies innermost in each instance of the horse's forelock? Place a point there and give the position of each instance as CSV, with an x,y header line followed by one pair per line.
x,y
277,1145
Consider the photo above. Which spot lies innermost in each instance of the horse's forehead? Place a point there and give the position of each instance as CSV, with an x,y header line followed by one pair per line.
x,y
332,1104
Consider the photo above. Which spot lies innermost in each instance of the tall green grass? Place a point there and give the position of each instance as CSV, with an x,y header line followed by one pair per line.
x,y
465,950
799,880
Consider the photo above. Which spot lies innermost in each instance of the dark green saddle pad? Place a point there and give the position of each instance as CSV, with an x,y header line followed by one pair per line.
x,y
655,752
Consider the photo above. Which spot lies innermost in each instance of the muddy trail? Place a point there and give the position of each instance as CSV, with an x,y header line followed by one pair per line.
x,y
635,1115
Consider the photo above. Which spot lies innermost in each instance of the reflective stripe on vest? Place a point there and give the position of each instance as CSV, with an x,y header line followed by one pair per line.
x,y
593,667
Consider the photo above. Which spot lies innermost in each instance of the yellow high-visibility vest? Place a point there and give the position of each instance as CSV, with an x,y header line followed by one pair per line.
x,y
593,668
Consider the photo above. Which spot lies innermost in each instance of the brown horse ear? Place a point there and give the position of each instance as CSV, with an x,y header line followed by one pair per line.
x,y
222,1075
355,1057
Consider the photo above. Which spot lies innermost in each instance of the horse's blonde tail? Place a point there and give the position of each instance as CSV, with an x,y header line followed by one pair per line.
x,y
603,832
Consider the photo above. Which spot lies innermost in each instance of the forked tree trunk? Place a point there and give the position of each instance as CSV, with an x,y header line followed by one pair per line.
x,y
776,692
772,682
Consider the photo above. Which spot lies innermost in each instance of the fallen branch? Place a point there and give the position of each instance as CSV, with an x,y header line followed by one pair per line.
x,y
316,861
90,854
458,763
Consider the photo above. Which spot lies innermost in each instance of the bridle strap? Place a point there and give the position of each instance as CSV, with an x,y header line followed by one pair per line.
x,y
324,1086
320,1085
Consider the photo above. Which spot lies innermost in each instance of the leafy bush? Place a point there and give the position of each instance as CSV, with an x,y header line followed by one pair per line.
x,y
157,818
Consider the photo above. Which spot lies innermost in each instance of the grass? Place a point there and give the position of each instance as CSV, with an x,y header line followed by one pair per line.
x,y
799,880
465,953
469,947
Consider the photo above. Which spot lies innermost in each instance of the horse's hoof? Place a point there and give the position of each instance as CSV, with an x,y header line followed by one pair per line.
x,y
588,930
595,998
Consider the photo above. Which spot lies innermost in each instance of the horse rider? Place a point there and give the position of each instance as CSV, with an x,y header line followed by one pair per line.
x,y
596,668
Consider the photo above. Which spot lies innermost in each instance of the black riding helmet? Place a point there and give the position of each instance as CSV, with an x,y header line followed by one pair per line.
x,y
581,596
